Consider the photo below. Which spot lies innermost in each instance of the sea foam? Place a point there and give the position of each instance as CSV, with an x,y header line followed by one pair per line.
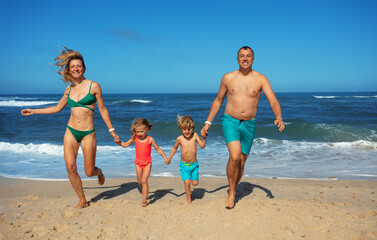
x,y
14,103
140,101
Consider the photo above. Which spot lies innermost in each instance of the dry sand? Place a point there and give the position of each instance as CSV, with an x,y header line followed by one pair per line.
x,y
265,209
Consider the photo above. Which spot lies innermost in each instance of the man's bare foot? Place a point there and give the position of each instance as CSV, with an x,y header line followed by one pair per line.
x,y
101,177
229,204
143,203
82,205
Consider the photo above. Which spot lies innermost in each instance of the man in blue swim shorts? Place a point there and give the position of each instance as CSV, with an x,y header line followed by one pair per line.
x,y
242,88
239,130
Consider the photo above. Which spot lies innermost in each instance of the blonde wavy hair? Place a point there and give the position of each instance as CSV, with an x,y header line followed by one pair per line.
x,y
185,122
62,61
140,122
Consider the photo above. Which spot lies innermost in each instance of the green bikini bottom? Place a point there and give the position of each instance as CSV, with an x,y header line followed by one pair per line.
x,y
79,135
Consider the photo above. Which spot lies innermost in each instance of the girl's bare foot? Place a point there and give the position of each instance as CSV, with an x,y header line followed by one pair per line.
x,y
143,203
101,177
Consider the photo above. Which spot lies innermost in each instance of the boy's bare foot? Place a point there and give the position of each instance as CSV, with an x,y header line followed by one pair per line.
x,y
101,177
229,204
82,205
143,203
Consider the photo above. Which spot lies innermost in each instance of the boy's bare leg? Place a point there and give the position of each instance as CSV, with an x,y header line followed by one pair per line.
x,y
188,190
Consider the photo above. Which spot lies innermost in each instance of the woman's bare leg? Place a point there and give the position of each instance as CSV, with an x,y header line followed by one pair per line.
x,y
71,147
89,149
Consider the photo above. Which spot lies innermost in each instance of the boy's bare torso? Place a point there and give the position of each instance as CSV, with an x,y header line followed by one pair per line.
x,y
188,148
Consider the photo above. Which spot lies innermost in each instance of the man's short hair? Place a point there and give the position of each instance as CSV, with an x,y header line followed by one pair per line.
x,y
245,48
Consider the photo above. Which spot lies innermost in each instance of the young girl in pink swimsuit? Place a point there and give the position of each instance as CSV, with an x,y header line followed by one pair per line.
x,y
143,160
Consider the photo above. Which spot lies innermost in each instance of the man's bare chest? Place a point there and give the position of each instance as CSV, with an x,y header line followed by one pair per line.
x,y
250,88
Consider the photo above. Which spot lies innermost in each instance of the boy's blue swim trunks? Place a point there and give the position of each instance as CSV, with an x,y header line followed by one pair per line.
x,y
239,130
189,171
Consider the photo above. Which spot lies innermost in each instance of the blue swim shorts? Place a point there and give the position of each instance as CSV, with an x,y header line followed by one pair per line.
x,y
189,171
239,130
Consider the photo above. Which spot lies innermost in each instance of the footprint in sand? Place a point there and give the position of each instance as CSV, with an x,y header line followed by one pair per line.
x,y
43,214
39,231
55,202
32,197
70,213
61,227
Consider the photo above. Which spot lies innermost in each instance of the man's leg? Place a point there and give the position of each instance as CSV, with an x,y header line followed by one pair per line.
x,y
242,167
233,171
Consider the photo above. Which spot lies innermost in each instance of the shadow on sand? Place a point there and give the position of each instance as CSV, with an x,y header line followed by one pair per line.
x,y
120,190
243,190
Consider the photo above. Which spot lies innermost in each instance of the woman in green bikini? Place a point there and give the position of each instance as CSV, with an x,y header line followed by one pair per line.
x,y
82,96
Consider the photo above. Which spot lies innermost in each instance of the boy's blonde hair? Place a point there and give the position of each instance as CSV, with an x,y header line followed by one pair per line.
x,y
185,122
140,122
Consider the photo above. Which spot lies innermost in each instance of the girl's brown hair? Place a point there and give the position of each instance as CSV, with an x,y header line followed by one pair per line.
x,y
62,61
140,122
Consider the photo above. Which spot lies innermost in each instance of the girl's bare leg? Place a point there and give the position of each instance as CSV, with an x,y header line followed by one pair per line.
x,y
142,177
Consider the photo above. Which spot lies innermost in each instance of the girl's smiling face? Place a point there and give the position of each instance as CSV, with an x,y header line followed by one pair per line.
x,y
141,131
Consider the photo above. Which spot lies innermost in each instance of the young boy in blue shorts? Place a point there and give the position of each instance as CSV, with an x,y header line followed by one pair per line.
x,y
189,165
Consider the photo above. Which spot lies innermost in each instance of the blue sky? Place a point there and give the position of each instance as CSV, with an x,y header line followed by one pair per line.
x,y
187,46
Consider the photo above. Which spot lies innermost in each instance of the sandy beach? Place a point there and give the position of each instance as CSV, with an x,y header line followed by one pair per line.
x,y
265,209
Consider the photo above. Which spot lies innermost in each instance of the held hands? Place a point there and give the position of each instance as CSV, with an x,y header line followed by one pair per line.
x,y
168,160
204,131
115,136
280,124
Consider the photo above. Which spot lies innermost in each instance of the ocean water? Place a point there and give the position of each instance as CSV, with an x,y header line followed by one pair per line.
x,y
327,135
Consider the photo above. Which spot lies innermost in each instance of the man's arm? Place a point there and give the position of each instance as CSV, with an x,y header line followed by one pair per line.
x,y
274,103
216,104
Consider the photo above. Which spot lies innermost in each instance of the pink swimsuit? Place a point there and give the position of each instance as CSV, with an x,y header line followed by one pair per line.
x,y
143,152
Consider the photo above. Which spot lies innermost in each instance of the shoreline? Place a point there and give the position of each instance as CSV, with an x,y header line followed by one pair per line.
x,y
265,209
84,178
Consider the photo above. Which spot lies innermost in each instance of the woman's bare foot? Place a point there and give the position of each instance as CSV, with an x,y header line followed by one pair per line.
x,y
101,177
229,204
143,203
82,205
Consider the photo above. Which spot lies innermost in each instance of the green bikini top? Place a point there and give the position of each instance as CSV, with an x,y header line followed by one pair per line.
x,y
87,100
